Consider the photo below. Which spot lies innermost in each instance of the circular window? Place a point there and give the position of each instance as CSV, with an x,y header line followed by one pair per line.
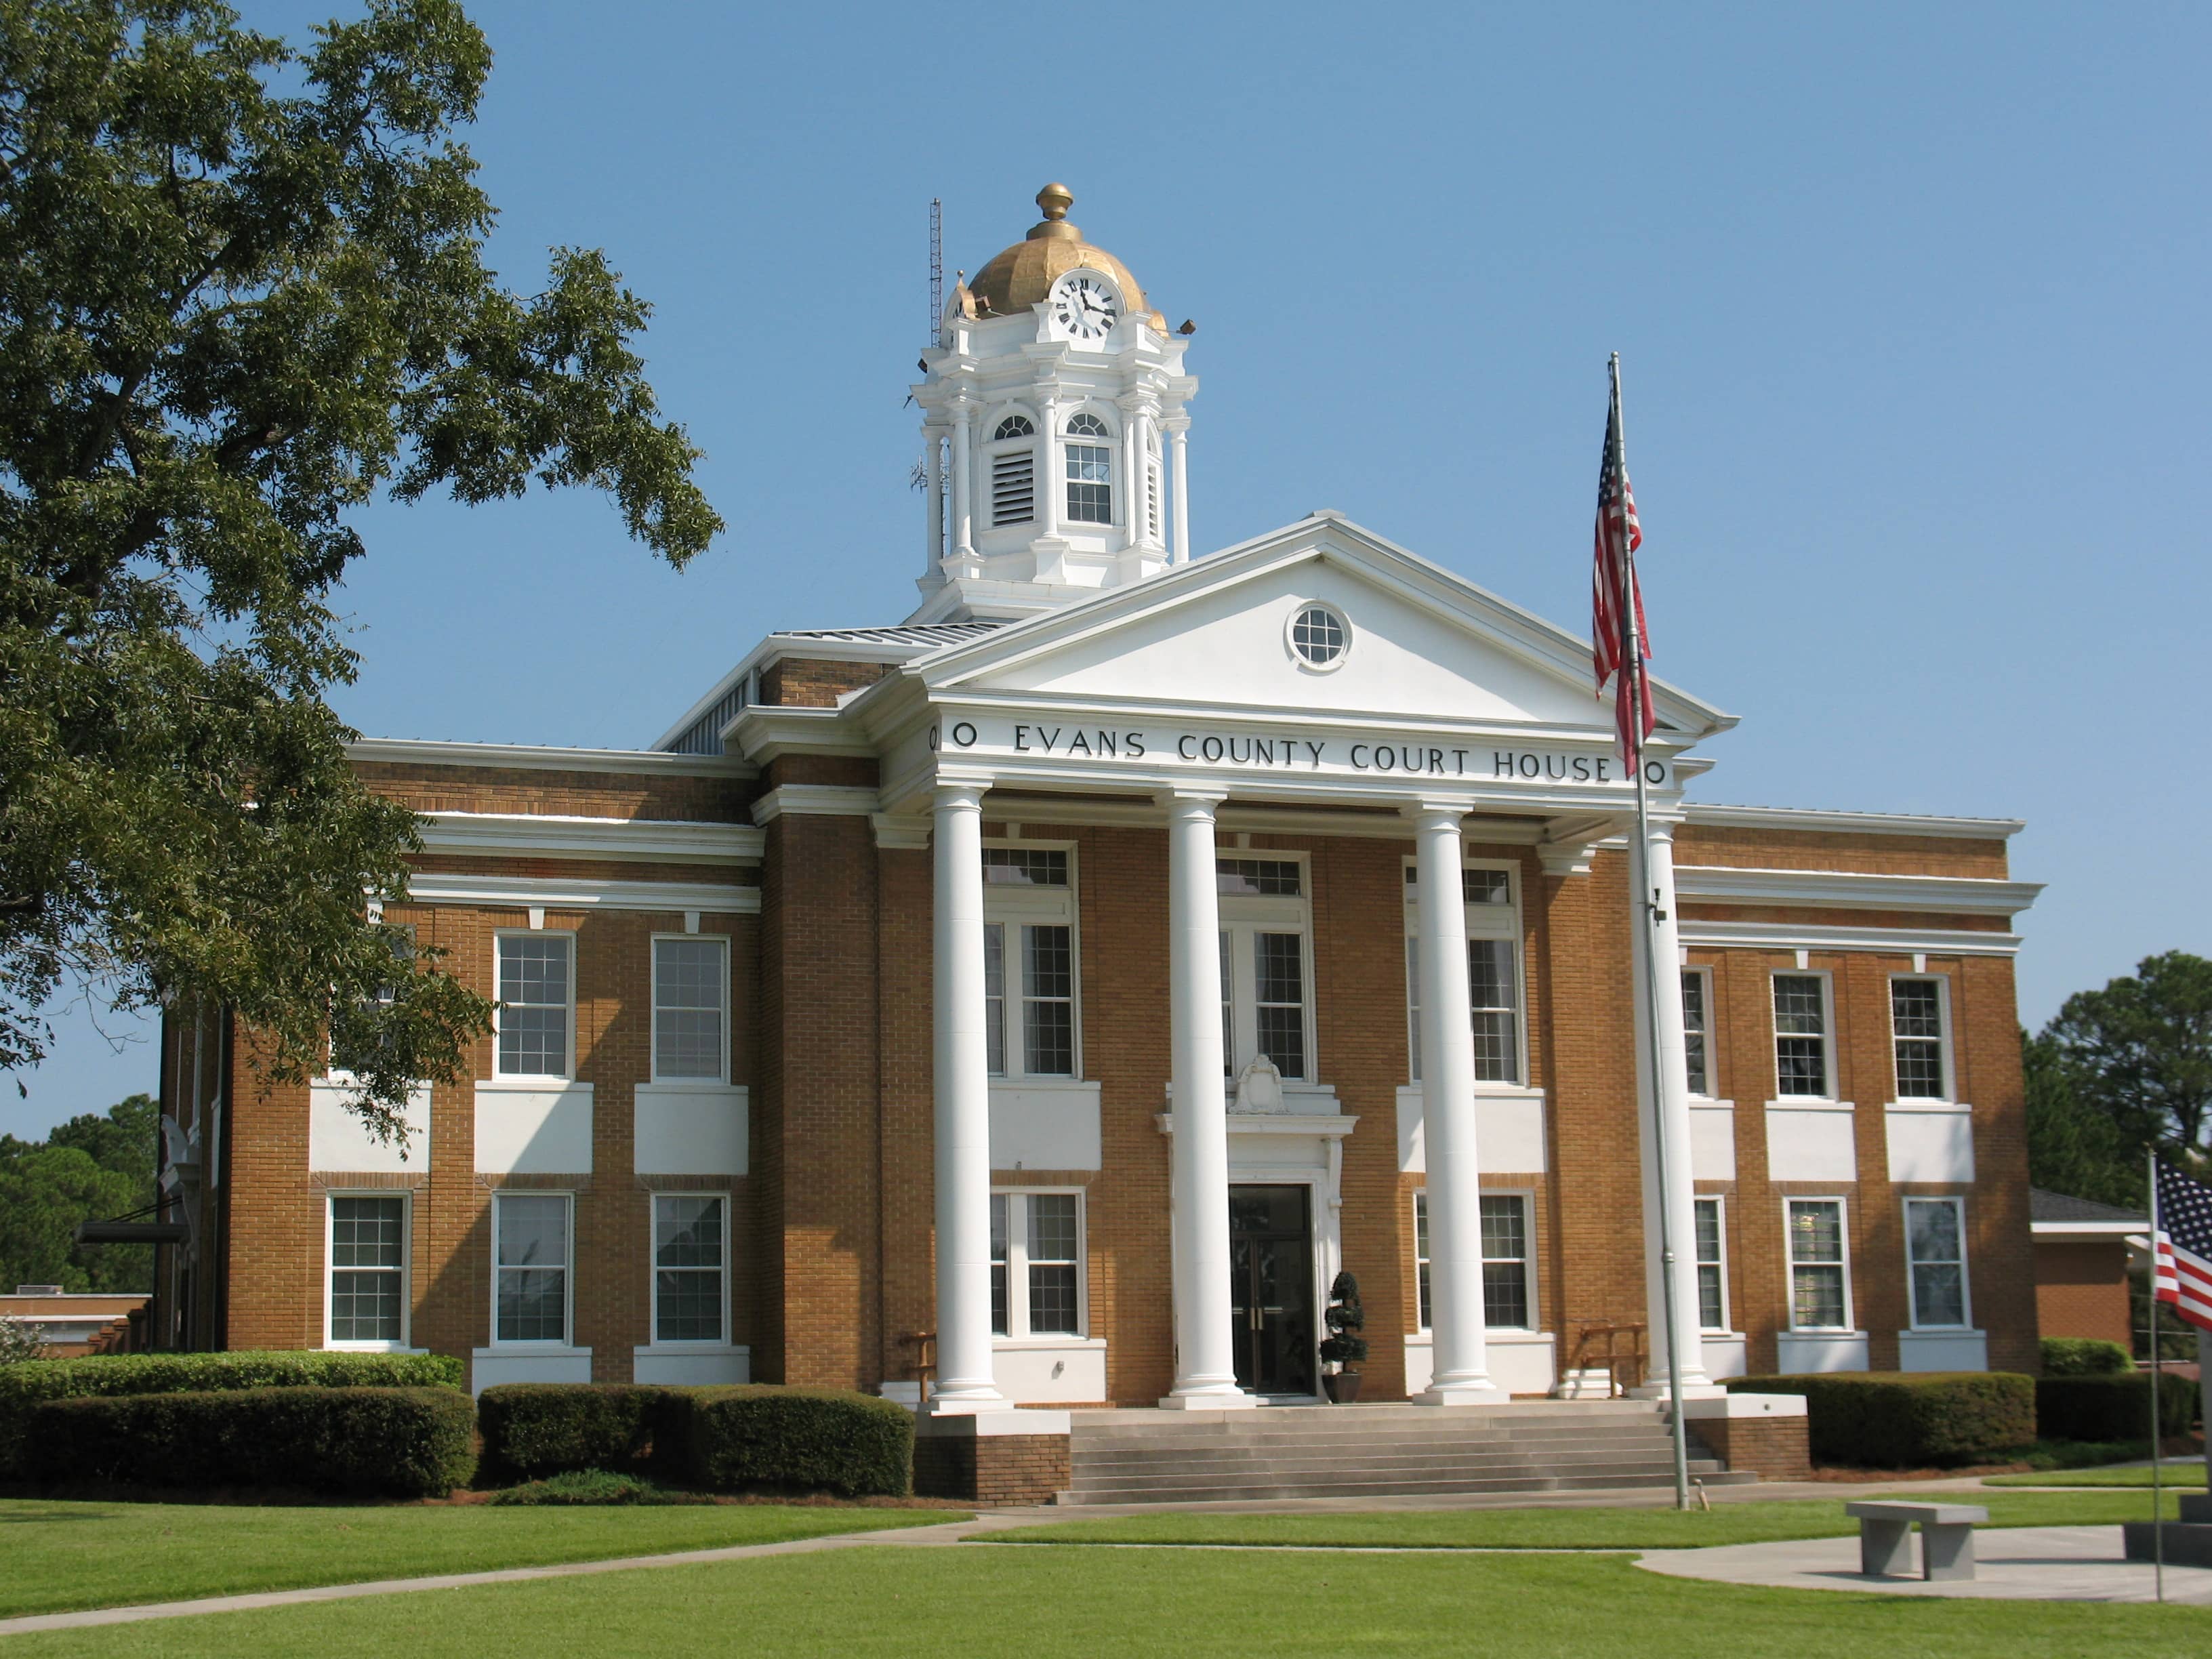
x,y
1319,637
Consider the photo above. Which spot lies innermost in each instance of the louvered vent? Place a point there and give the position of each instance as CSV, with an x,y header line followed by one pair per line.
x,y
1153,499
1013,486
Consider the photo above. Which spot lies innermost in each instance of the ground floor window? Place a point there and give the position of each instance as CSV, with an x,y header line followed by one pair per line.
x,y
531,1296
1036,1264
691,1268
366,1293
1935,1251
1509,1270
1713,1266
1819,1266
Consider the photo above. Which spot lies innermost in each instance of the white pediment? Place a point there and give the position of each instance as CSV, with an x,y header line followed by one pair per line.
x,y
1214,635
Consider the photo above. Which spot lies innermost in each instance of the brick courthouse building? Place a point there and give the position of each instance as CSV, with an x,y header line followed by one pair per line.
x,y
1053,972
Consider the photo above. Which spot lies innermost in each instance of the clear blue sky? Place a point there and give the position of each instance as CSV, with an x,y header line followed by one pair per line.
x,y
1911,301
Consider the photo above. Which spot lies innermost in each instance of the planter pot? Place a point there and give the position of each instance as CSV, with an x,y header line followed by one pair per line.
x,y
1343,1387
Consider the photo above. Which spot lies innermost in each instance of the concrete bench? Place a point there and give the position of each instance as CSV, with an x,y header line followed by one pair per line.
x,y
1947,1538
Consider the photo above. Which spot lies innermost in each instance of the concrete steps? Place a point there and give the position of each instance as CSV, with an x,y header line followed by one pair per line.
x,y
1373,1451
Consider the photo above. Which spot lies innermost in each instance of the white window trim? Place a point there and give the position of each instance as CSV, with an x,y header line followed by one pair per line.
x,y
568,1342
652,1036
1018,1267
499,935
1774,1034
1703,973
1483,921
1945,1047
1526,1197
653,1339
1241,917
1957,1204
406,1268
1789,1263
1011,905
1719,1200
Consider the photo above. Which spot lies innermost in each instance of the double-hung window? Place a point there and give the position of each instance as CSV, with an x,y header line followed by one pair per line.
x,y
1935,1254
530,1295
1265,1006
1804,1052
1509,1266
537,1015
1493,971
690,1009
1029,961
1036,1264
1090,471
1920,1036
1712,1264
1697,1001
691,1268
365,1296
1820,1264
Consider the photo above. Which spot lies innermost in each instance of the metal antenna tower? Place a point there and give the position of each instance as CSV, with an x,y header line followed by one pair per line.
x,y
936,269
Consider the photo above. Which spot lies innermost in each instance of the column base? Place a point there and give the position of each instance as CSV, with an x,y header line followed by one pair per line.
x,y
1482,1393
966,1405
1229,1398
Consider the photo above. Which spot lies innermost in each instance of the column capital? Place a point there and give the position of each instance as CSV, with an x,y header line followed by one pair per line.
x,y
1426,812
1188,803
959,798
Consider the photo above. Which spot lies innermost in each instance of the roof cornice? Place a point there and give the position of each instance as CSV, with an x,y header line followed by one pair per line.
x,y
425,752
1865,823
1852,889
656,841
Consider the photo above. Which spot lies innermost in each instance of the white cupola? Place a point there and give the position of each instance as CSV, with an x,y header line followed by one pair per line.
x,y
1052,431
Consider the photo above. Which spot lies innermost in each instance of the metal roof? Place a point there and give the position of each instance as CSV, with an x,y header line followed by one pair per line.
x,y
923,633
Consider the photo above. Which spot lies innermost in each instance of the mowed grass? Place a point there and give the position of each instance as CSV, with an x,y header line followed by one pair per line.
x,y
1577,1529
56,1557
2189,1476
1104,1604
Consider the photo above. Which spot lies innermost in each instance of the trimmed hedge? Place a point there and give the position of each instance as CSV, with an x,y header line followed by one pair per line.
x,y
1910,1419
399,1443
532,1430
732,1439
22,1387
2112,1407
2084,1355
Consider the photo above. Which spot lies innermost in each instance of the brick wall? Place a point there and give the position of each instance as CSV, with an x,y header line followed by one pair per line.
x,y
804,683
1006,1471
2081,1290
1772,1447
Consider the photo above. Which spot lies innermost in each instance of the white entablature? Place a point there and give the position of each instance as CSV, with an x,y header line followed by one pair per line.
x,y
1052,432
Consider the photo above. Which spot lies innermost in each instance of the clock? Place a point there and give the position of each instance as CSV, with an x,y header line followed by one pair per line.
x,y
1083,307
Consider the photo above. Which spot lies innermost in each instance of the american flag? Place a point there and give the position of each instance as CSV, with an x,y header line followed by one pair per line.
x,y
1611,653
2182,1244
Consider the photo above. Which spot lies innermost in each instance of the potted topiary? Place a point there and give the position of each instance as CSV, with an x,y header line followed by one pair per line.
x,y
1344,1346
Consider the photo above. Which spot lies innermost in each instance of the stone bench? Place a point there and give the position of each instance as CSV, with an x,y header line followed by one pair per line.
x,y
1947,1538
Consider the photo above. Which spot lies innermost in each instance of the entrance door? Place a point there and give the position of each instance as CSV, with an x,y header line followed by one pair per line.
x,y
1271,1288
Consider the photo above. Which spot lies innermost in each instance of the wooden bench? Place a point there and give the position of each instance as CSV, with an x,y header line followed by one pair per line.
x,y
1947,1538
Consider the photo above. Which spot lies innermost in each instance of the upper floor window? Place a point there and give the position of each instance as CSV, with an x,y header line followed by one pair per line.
x,y
538,1004
1013,471
1802,1058
690,1009
1029,961
1920,1034
1265,1007
1697,997
1089,473
1493,971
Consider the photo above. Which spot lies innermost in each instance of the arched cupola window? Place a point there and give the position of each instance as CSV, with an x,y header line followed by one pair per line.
x,y
1013,471
1089,471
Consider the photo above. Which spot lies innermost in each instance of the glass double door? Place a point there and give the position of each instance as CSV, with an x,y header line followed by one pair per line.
x,y
1271,1288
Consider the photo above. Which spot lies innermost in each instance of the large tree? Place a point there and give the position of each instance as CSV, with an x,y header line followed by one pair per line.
x,y
87,1169
243,292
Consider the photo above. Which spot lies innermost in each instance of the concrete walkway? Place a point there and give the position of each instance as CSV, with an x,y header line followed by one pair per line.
x,y
2030,1564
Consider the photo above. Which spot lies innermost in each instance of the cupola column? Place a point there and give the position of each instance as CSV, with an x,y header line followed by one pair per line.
x,y
1462,1374
964,478
1177,432
1049,484
933,474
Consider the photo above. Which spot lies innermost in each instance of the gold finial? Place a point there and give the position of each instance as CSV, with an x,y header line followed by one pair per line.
x,y
1055,201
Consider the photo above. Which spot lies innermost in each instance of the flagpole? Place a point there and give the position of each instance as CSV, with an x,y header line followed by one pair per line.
x,y
1646,909
2157,1485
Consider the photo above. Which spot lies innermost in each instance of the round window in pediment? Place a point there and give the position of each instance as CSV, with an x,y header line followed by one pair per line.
x,y
1319,637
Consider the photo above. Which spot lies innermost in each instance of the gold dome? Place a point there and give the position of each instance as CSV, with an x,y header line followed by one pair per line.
x,y
1017,278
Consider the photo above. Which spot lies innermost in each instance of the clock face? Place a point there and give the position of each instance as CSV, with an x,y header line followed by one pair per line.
x,y
1084,306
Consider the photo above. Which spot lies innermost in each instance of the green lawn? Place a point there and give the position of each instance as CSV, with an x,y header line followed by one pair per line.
x,y
54,1556
1105,1604
2190,1474
1592,1529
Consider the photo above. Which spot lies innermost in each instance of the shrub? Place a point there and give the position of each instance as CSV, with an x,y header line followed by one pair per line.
x,y
532,1429
2112,1407
2084,1355
595,1486
1910,1419
22,1387
730,1439
20,1341
400,1442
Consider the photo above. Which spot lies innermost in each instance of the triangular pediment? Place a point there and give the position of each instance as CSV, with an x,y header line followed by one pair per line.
x,y
1425,644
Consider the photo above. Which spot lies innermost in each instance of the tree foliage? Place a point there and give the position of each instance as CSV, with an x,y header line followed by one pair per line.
x,y
88,1169
242,292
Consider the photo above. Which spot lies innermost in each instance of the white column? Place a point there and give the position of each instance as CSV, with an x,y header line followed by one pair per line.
x,y
964,480
1206,1364
963,1112
1647,872
933,472
1181,496
1462,1373
1049,483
